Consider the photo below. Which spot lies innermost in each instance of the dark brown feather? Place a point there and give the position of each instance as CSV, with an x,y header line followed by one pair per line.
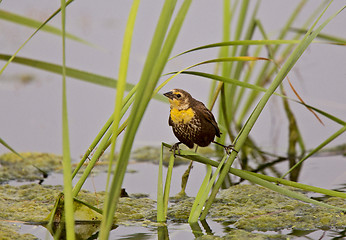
x,y
201,129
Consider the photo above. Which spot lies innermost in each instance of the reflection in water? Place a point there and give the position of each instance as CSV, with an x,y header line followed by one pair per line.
x,y
83,229
207,227
334,234
200,229
197,230
162,233
134,236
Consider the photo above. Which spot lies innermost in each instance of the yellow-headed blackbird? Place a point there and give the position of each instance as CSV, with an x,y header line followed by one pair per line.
x,y
191,121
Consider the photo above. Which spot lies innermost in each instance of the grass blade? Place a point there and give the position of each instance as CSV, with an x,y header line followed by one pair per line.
x,y
245,174
323,36
121,85
70,72
204,191
68,199
168,184
284,191
319,147
193,214
240,43
135,116
161,217
108,209
9,148
31,36
154,64
74,73
242,136
293,184
29,22
93,145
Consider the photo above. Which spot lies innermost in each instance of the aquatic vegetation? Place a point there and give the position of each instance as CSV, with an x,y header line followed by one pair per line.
x,y
33,166
256,208
9,231
245,207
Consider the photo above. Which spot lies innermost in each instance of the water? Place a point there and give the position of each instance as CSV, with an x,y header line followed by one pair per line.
x,y
184,231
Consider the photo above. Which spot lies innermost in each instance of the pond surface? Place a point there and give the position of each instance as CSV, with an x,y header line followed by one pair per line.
x,y
240,212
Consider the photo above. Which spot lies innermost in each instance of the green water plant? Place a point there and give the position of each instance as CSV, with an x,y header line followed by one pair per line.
x,y
68,198
241,139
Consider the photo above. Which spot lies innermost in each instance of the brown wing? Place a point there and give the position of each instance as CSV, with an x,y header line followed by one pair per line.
x,y
170,122
208,115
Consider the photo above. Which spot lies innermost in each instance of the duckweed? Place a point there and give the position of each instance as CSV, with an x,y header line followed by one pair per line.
x,y
257,208
31,167
8,231
244,207
238,234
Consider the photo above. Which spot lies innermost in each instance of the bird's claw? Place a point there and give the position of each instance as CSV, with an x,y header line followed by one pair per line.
x,y
175,148
229,149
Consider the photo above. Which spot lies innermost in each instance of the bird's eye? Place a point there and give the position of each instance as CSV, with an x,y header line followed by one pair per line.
x,y
178,95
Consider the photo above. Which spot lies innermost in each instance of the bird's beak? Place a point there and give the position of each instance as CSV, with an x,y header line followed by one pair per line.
x,y
169,94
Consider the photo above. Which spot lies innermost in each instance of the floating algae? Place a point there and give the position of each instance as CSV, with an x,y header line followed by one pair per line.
x,y
32,203
9,231
32,167
35,166
238,234
180,210
25,203
252,207
243,207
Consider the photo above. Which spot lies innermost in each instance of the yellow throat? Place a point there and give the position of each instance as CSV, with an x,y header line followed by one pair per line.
x,y
182,116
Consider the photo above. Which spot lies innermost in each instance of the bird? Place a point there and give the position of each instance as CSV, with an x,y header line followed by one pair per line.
x,y
192,122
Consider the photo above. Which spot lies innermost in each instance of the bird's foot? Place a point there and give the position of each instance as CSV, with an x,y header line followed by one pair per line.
x,y
175,148
229,149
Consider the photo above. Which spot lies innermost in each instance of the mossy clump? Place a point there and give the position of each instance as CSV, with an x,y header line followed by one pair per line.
x,y
252,207
34,202
180,210
9,231
239,234
32,167
134,209
31,202
244,207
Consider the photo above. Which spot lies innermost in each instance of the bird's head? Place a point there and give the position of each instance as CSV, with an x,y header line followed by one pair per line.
x,y
179,99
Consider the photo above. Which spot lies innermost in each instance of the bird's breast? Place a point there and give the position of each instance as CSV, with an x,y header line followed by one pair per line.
x,y
182,116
